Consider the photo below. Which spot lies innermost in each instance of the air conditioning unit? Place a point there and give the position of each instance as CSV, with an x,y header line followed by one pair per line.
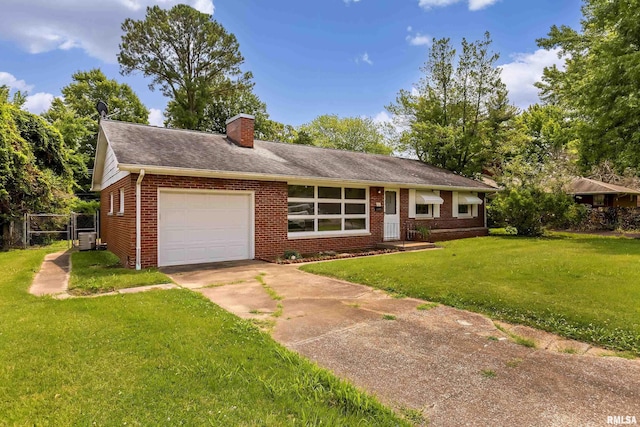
x,y
86,241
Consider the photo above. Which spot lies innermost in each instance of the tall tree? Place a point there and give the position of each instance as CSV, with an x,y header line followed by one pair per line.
x,y
35,174
218,110
458,113
349,133
600,84
190,57
76,118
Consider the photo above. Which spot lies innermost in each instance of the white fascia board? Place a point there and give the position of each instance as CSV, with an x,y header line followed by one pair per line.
x,y
98,162
206,173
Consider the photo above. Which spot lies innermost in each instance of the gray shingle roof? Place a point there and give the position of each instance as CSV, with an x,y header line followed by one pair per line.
x,y
142,145
591,186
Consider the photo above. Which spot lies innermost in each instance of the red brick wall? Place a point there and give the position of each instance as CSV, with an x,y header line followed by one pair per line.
x,y
446,219
117,230
271,238
240,131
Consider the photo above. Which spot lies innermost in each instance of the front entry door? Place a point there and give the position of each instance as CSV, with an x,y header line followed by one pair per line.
x,y
391,214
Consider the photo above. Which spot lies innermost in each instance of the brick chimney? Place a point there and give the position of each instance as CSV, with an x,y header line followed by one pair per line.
x,y
240,130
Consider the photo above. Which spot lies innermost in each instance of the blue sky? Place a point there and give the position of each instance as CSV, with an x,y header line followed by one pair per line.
x,y
345,57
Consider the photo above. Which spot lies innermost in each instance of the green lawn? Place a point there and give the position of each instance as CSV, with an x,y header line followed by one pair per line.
x,y
582,287
100,271
154,358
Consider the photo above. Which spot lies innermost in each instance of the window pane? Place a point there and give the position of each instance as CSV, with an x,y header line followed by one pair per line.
x,y
355,208
390,202
329,208
423,209
463,209
299,225
355,193
330,192
301,209
355,224
301,191
329,224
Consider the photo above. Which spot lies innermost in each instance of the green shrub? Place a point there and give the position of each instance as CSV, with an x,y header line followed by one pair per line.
x,y
85,206
291,254
527,210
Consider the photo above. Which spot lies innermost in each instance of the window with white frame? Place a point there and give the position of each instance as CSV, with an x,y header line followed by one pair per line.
x,y
110,203
465,205
121,202
424,204
464,210
316,209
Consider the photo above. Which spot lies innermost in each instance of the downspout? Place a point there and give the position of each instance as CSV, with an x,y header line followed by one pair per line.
x,y
484,205
138,209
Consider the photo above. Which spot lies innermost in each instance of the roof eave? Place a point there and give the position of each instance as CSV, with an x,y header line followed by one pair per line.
x,y
98,162
206,173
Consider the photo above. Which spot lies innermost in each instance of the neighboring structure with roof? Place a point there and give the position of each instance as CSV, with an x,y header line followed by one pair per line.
x,y
600,194
171,197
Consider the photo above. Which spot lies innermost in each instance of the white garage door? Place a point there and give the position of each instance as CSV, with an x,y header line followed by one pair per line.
x,y
204,227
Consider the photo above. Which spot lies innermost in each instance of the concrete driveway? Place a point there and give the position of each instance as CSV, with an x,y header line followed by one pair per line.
x,y
454,366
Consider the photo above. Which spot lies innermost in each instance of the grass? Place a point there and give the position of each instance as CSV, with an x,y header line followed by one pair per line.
x,y
579,286
95,272
388,317
514,363
154,358
488,373
526,342
427,306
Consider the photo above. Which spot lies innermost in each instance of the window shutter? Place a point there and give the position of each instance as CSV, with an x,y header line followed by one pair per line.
x,y
412,203
454,203
436,207
474,208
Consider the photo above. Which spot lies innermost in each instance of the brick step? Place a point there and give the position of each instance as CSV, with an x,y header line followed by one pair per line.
x,y
406,246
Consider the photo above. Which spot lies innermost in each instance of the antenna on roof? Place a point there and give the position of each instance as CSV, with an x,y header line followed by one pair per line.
x,y
102,108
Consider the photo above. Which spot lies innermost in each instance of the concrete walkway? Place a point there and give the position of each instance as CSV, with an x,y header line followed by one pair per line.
x,y
53,279
453,366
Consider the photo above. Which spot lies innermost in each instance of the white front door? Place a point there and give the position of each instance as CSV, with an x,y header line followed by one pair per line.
x,y
391,214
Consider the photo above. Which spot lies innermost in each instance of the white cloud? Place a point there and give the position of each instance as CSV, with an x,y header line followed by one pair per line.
x,y
364,58
156,117
473,4
350,1
525,70
38,102
480,4
382,117
428,4
91,25
7,79
419,39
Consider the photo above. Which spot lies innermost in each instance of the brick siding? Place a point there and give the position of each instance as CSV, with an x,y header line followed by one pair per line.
x,y
271,238
119,230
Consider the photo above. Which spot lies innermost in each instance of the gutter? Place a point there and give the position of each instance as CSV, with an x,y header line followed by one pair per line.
x,y
161,170
138,209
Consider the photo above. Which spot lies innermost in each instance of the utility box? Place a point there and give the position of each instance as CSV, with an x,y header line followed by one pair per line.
x,y
86,241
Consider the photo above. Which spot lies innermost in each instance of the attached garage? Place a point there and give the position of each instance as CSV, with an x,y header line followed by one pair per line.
x,y
204,226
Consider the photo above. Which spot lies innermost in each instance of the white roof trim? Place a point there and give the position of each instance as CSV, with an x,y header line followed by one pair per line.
x,y
207,173
240,116
428,198
468,199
